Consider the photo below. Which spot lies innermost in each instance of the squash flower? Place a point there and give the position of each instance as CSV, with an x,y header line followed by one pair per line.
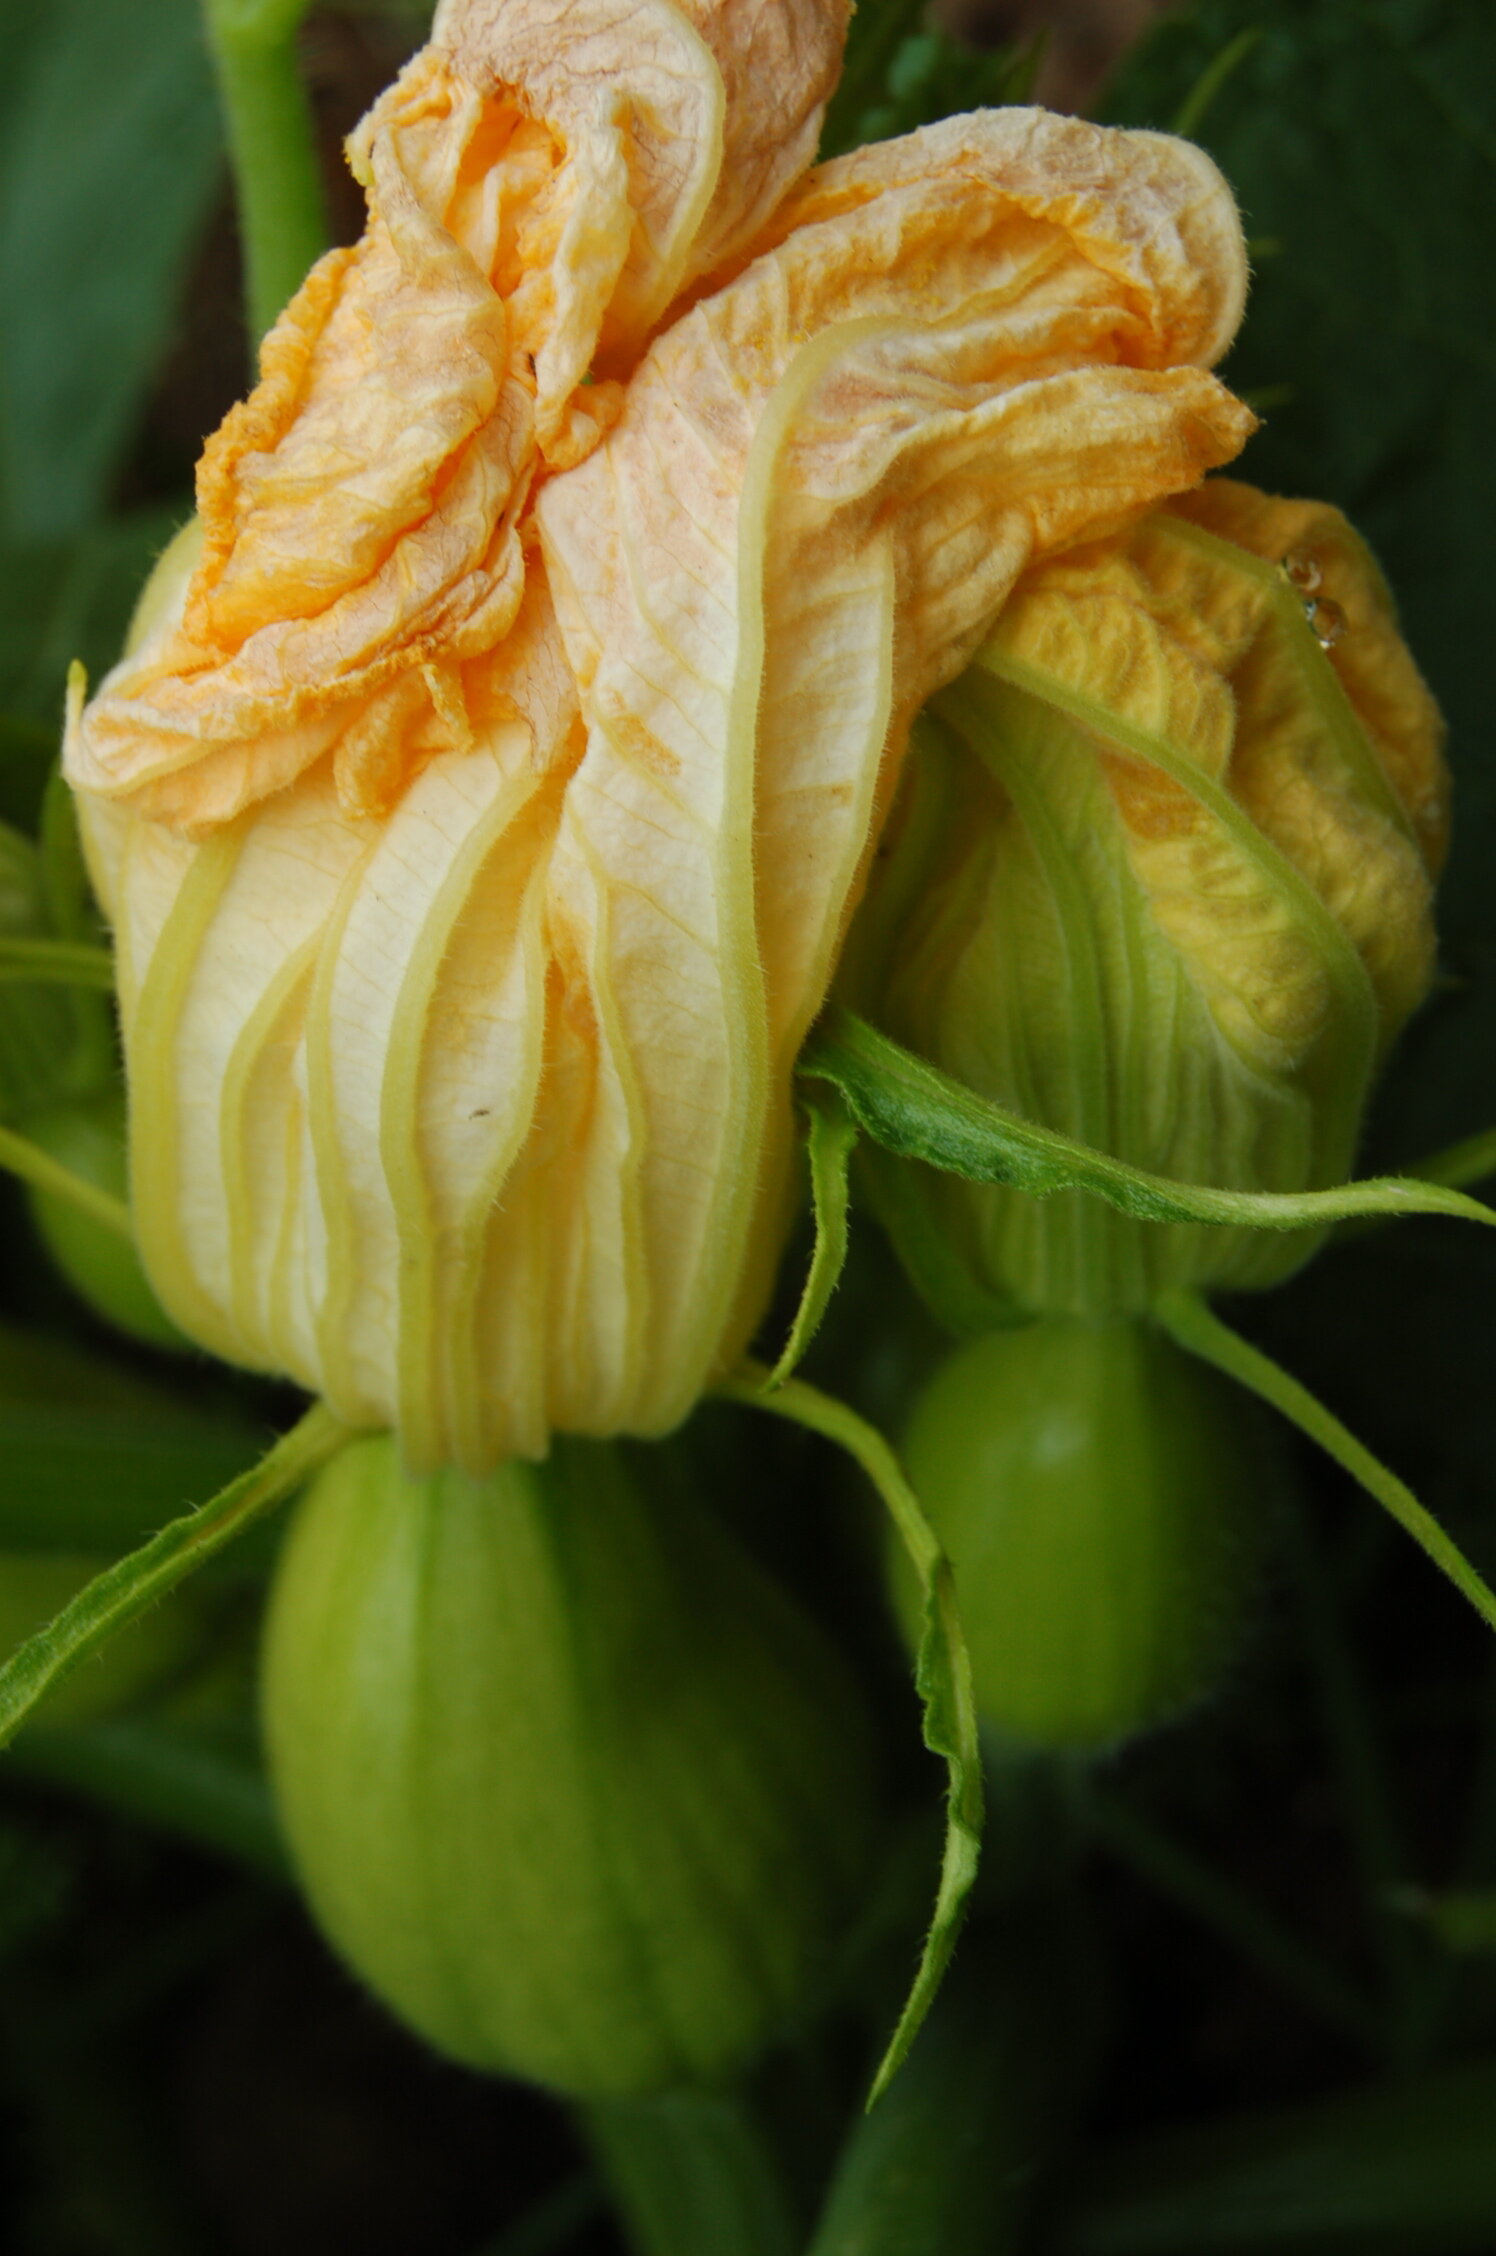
x,y
498,758
1161,877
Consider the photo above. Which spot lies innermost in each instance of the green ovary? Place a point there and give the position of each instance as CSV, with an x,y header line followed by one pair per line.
x,y
579,1793
1098,1492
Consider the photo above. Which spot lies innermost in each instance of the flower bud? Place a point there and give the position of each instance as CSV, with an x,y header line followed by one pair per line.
x,y
88,1137
1098,1492
1162,880
580,1794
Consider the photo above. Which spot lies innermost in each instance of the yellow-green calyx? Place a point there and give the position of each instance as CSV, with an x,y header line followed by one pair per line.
x,y
575,1788
1162,879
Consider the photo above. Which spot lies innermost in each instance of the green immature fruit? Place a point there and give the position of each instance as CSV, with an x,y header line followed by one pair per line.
x,y
576,1790
88,1137
1098,1492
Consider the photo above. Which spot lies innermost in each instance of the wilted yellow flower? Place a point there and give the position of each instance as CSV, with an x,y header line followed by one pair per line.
x,y
484,798
1163,880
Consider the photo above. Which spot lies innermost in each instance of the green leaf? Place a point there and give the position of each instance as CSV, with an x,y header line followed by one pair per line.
x,y
104,1481
917,1112
942,1677
1187,1319
125,1590
28,748
902,72
192,1782
61,600
1401,2167
833,1134
109,161
38,1027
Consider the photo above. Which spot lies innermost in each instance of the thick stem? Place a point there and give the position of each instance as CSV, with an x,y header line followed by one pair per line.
x,y
692,2171
277,182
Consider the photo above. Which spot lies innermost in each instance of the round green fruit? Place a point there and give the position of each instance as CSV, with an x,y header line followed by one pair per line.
x,y
576,1790
1099,1493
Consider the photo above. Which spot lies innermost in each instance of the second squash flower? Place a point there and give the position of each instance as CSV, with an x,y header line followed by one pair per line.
x,y
498,761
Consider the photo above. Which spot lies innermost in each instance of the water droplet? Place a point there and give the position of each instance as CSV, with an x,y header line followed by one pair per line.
x,y
1327,620
1303,569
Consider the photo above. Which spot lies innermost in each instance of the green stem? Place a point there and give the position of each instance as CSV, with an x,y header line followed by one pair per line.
x,y
692,2171
1215,1903
124,1590
19,1156
1187,1319
63,963
272,146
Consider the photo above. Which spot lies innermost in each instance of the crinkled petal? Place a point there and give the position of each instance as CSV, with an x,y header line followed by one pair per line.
x,y
1187,638
542,180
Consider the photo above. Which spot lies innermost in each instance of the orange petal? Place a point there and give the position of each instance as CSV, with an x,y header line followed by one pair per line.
x,y
541,182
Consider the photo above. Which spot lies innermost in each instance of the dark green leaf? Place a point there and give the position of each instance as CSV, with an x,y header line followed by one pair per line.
x,y
61,600
109,158
192,1782
1406,2167
105,1480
